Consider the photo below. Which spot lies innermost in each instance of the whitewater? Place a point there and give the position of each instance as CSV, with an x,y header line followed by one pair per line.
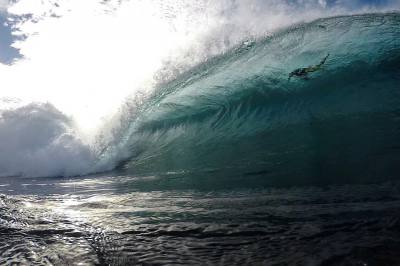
x,y
208,154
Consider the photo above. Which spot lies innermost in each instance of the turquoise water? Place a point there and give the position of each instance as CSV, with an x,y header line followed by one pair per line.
x,y
232,164
237,114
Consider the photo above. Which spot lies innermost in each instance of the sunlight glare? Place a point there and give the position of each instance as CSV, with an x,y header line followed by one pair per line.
x,y
86,61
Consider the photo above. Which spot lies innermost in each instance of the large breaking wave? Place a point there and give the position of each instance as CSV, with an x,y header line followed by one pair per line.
x,y
237,113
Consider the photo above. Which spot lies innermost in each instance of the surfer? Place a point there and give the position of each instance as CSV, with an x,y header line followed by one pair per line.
x,y
303,72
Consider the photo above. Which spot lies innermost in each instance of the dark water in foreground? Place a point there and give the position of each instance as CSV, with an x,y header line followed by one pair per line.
x,y
120,220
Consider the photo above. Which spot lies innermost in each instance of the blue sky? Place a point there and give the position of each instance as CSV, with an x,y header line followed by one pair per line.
x,y
7,53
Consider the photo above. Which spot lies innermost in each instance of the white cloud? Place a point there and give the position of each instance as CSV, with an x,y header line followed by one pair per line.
x,y
3,5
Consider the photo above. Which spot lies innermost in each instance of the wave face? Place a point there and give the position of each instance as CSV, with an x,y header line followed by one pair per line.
x,y
238,115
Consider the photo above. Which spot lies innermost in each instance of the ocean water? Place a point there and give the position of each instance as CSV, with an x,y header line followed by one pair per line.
x,y
125,220
230,163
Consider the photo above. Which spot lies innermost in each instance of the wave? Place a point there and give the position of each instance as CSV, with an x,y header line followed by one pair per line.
x,y
238,113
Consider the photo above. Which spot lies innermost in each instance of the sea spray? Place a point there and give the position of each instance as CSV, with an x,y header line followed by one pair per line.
x,y
38,140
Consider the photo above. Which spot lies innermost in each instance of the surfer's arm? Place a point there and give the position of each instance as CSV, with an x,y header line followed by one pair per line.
x,y
322,61
316,67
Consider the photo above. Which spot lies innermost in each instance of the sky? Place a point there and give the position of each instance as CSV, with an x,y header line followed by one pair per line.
x,y
86,57
7,52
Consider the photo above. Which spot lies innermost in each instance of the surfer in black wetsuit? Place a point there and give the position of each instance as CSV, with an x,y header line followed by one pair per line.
x,y
303,72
